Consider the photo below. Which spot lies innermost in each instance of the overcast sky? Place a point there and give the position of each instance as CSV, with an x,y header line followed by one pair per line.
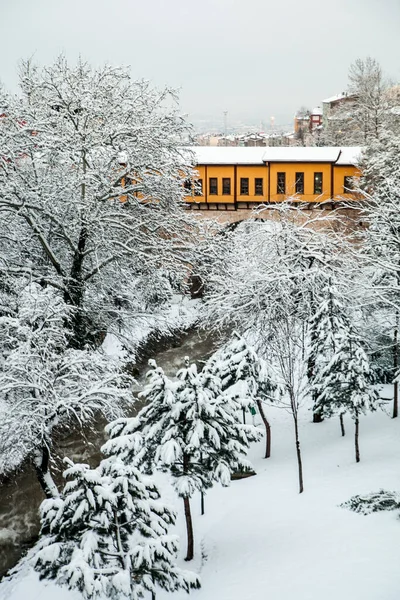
x,y
252,58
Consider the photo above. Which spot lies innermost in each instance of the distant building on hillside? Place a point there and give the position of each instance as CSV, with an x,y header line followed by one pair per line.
x,y
331,105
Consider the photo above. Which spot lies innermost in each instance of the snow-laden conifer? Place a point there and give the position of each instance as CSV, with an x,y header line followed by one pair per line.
x,y
346,384
328,325
244,374
107,535
190,429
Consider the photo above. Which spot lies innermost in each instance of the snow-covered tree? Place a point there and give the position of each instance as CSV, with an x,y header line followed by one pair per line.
x,y
368,84
91,190
380,238
264,285
346,384
243,373
107,535
44,384
189,429
369,107
329,324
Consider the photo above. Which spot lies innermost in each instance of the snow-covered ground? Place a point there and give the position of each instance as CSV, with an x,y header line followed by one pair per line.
x,y
260,539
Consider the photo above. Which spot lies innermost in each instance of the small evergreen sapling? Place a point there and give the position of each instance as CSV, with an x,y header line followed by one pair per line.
x,y
328,325
242,373
346,384
189,429
107,536
373,502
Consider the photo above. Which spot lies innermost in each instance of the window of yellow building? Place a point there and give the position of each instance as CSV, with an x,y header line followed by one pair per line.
x,y
226,186
213,186
198,189
281,183
348,184
299,183
317,183
258,186
244,186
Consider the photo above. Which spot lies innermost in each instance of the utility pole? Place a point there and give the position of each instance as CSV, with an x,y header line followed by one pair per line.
x,y
225,126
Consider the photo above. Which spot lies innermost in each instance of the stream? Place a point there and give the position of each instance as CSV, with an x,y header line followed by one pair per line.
x,y
21,495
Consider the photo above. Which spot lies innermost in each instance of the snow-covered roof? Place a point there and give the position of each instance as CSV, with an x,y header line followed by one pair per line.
x,y
316,111
301,154
350,155
229,155
337,97
238,155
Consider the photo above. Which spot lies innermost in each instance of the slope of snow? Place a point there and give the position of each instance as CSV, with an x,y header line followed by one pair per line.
x,y
260,539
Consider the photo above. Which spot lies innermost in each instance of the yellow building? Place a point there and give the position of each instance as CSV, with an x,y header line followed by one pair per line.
x,y
234,178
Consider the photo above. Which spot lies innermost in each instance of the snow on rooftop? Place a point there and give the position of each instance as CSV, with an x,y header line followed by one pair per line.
x,y
220,155
349,155
301,154
337,97
236,155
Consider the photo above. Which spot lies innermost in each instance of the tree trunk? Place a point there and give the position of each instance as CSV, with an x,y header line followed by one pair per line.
x,y
41,461
202,502
188,515
244,415
299,462
396,365
267,429
189,529
75,292
356,440
342,425
317,417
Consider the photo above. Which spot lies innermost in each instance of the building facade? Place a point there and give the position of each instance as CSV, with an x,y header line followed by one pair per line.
x,y
240,178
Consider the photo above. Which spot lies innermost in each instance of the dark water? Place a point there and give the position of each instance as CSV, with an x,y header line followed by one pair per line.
x,y
21,495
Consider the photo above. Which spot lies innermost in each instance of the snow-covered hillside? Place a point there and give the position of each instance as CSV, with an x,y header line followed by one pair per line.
x,y
260,539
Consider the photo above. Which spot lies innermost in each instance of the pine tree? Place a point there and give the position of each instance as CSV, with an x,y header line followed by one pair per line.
x,y
189,429
345,385
329,324
242,372
107,536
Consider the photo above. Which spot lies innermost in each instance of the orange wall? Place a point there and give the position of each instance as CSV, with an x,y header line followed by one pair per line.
x,y
308,169
251,172
339,175
220,171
